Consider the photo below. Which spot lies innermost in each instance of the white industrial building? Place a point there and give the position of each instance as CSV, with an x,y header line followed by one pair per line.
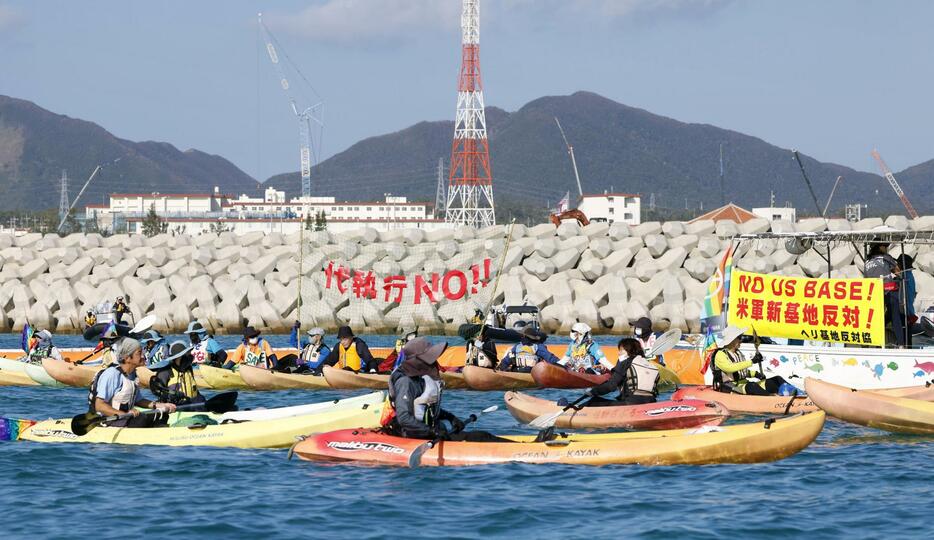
x,y
775,213
611,207
200,213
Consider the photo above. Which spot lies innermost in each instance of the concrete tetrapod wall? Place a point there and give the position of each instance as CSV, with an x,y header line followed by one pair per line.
x,y
604,275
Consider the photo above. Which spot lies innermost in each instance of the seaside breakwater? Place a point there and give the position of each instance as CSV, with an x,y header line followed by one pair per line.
x,y
605,275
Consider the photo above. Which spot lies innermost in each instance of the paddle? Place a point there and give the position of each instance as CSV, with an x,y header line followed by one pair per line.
x,y
756,342
144,324
415,458
663,344
92,353
83,423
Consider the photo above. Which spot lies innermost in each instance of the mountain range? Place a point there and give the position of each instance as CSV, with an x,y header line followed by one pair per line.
x,y
617,147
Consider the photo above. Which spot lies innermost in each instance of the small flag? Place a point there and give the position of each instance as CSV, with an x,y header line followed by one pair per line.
x,y
565,203
26,338
11,428
718,291
710,346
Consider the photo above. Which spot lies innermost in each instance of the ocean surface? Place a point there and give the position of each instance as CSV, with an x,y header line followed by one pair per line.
x,y
852,482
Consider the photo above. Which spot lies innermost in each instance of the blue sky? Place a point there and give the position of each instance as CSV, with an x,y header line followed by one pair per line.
x,y
833,78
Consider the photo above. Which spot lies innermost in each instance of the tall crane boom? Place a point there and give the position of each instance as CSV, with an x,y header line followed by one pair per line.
x,y
577,176
892,182
304,116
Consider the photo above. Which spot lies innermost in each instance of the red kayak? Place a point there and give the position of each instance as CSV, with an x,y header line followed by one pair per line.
x,y
687,413
549,375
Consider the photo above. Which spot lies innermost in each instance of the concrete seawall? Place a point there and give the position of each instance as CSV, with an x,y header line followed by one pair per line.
x,y
604,275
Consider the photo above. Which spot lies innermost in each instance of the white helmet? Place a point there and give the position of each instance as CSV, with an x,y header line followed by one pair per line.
x,y
579,332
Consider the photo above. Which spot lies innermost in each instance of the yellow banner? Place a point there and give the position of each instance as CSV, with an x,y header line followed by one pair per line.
x,y
838,310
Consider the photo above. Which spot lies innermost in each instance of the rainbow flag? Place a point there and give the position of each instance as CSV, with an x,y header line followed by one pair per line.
x,y
10,428
718,291
710,345
26,338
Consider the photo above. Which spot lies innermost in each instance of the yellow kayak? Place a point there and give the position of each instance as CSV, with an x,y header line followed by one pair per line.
x,y
264,379
222,379
269,430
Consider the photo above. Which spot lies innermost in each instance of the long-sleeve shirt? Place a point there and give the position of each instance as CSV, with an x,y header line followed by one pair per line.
x,y
538,349
586,356
617,377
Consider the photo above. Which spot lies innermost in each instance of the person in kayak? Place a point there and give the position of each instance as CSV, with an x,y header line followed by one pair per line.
x,y
312,352
530,350
174,379
204,348
879,264
351,353
731,369
415,391
634,377
396,357
252,351
41,346
642,330
115,390
155,348
583,353
480,349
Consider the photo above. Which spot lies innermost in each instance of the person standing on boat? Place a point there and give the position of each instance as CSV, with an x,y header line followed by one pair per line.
x,y
879,264
253,351
731,369
174,379
530,350
583,353
116,390
634,377
204,348
351,353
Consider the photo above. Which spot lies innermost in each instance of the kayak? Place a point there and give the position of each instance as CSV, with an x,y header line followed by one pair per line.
x,y
668,380
480,378
70,374
742,443
41,376
373,399
660,415
548,375
276,432
263,379
923,393
222,379
741,403
453,380
343,379
13,373
145,374
867,408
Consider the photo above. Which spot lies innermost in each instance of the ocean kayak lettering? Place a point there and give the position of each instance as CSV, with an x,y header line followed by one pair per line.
x,y
53,433
673,408
354,446
589,452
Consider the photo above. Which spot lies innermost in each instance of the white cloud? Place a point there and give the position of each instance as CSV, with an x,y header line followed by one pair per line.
x,y
369,21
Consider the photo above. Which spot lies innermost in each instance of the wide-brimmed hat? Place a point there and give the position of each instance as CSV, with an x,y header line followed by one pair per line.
x,y
250,332
422,350
533,335
729,334
151,336
316,331
194,327
177,350
344,332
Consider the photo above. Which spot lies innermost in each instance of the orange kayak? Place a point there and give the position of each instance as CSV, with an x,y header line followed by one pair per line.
x,y
479,378
741,403
77,375
348,380
263,379
871,409
548,375
660,415
742,443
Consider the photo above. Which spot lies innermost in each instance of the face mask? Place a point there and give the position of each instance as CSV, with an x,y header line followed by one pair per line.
x,y
640,332
253,341
195,338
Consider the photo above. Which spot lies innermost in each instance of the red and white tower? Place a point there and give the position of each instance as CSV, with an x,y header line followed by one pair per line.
x,y
470,183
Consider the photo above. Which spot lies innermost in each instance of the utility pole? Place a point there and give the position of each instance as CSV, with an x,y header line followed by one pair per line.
x,y
63,199
440,195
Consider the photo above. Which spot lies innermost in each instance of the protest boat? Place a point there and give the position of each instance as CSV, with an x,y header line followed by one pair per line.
x,y
835,326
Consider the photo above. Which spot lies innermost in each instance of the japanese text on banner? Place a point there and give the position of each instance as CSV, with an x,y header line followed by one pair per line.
x,y
363,284
838,310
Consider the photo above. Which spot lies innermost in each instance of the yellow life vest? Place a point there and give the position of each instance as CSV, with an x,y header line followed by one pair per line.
x,y
182,383
348,358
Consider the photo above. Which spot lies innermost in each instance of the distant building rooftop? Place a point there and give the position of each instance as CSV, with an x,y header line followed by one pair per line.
x,y
729,212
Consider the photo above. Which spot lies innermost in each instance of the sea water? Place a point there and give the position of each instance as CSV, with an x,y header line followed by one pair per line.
x,y
852,482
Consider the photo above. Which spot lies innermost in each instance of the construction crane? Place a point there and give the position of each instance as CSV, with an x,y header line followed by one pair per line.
x,y
305,116
898,189
794,154
830,198
577,176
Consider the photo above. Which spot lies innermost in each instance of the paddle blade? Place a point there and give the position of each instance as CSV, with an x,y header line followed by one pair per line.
x,y
545,421
222,403
10,428
492,408
83,423
144,324
664,343
415,458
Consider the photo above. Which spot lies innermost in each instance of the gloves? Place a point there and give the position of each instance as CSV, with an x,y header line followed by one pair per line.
x,y
457,425
439,432
297,324
757,357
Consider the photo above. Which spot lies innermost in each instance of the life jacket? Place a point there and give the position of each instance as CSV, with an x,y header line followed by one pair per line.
x,y
199,352
255,357
426,407
477,356
643,375
177,386
311,353
525,356
348,358
581,357
156,354
738,376
124,399
43,349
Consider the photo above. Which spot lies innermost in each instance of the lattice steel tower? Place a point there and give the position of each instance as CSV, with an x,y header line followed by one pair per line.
x,y
63,204
470,183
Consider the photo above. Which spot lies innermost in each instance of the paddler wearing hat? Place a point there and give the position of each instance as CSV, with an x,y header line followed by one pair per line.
x,y
351,353
731,369
252,351
204,348
529,351
174,379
